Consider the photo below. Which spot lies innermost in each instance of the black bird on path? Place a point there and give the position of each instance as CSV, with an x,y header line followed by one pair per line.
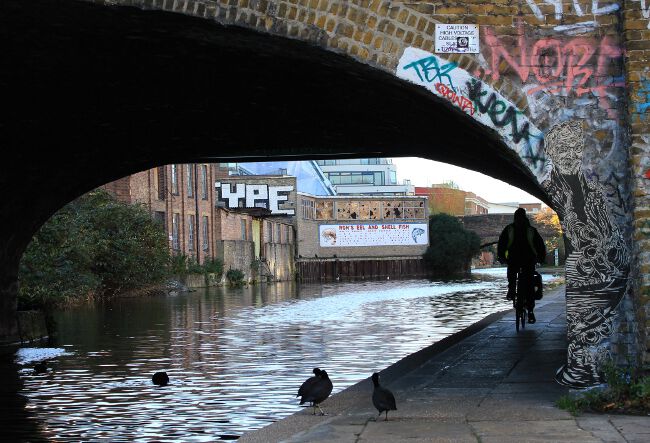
x,y
307,383
318,391
382,398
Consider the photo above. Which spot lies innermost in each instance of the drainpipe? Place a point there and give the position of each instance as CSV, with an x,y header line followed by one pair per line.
x,y
198,216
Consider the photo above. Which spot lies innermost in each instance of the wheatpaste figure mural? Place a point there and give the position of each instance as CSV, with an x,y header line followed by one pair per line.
x,y
598,258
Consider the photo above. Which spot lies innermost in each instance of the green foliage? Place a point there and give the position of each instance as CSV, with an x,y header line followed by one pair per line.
x,y
451,246
178,264
213,267
235,277
182,265
627,390
93,246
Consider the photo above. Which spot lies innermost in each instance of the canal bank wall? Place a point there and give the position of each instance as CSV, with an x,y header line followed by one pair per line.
x,y
324,270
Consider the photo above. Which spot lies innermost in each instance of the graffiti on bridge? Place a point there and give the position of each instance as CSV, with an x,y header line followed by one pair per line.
x,y
429,69
499,111
598,257
464,103
580,10
643,97
478,100
645,9
574,66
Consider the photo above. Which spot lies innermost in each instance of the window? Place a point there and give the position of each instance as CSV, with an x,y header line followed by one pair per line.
x,y
204,182
190,180
287,234
356,178
325,210
393,177
393,209
175,179
270,232
278,238
204,232
414,209
159,217
308,212
190,230
176,244
162,183
243,229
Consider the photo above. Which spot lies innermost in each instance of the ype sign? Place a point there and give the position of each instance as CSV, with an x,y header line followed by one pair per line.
x,y
457,39
264,196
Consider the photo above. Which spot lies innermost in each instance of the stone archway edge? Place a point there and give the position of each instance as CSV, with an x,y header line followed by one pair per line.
x,y
481,102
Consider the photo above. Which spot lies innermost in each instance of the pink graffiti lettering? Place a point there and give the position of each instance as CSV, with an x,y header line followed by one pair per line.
x,y
462,102
560,66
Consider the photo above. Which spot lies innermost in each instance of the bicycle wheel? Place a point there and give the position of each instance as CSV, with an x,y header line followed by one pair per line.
x,y
517,319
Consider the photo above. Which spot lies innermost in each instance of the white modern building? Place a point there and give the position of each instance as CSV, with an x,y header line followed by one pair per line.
x,y
364,176
503,208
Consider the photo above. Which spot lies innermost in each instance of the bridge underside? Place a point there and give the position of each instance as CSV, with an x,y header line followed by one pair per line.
x,y
96,93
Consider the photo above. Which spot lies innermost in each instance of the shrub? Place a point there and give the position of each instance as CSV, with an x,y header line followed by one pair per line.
x,y
451,246
627,390
235,277
213,267
92,246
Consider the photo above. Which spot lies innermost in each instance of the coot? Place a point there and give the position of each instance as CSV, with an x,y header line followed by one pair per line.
x,y
382,398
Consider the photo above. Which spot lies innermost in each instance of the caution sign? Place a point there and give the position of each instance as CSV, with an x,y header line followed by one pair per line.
x,y
457,39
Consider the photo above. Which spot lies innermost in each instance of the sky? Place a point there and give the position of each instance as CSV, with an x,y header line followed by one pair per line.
x,y
423,172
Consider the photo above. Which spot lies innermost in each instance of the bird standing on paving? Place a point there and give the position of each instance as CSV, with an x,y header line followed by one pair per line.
x,y
318,391
310,381
382,398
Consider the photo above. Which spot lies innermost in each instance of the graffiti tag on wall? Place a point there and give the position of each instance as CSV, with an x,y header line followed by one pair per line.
x,y
254,195
564,66
477,99
645,10
580,10
643,97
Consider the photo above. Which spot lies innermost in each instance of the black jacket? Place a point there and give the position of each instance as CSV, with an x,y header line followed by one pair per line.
x,y
521,244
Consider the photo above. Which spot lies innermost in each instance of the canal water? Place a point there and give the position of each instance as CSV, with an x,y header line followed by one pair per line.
x,y
235,357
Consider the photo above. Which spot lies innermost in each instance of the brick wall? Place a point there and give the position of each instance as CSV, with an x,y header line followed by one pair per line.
x,y
636,30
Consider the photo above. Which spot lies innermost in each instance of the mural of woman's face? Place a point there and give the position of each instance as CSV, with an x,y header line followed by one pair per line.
x,y
565,145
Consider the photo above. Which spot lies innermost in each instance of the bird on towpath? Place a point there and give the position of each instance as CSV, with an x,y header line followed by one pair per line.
x,y
307,383
316,392
382,398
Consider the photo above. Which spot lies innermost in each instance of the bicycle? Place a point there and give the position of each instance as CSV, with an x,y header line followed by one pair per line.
x,y
519,303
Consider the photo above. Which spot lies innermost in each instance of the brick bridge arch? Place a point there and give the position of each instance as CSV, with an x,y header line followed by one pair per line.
x,y
548,104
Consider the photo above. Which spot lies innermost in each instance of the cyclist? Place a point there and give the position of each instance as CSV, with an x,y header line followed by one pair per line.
x,y
521,246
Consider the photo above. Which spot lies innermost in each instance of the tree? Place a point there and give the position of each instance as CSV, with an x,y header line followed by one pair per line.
x,y
548,217
446,199
451,246
93,246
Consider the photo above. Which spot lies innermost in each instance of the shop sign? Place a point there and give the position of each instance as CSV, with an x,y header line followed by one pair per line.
x,y
381,234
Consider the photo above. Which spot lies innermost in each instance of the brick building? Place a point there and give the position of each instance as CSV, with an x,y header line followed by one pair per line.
x,y
452,201
361,236
201,225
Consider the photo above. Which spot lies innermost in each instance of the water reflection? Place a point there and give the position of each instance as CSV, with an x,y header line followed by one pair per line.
x,y
235,358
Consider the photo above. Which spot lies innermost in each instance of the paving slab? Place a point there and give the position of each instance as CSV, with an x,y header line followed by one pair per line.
x,y
531,431
487,383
